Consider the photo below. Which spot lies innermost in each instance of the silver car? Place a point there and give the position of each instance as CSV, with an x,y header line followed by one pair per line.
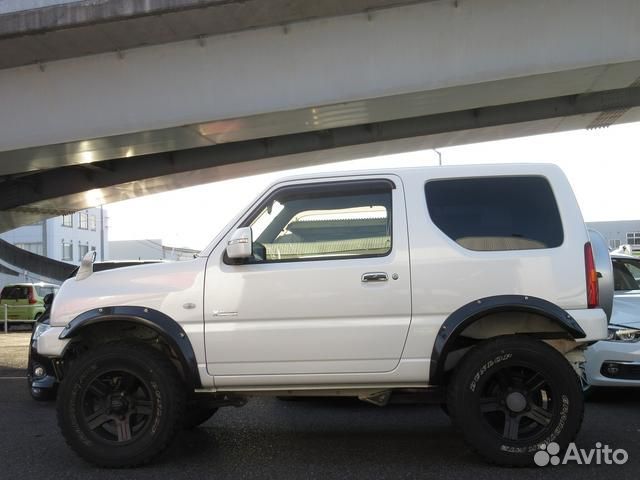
x,y
615,362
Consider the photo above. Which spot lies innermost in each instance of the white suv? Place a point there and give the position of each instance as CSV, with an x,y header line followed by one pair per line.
x,y
474,285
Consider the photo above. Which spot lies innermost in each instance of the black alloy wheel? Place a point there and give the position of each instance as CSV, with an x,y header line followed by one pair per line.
x,y
121,404
117,407
511,394
517,402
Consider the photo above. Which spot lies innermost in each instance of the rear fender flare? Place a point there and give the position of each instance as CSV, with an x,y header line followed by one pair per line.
x,y
459,320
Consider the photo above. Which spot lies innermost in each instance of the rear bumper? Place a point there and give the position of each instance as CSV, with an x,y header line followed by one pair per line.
x,y
21,313
593,322
613,364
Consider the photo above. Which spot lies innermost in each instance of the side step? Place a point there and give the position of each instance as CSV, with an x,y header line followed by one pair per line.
x,y
432,395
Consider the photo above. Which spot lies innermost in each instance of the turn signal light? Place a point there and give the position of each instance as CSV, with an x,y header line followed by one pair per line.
x,y
593,293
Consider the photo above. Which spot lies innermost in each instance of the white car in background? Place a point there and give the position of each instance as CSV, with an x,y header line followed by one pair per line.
x,y
615,362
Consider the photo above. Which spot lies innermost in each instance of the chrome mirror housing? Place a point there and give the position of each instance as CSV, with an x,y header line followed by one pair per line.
x,y
240,243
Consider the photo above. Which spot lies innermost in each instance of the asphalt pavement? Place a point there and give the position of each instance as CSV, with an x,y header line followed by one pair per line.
x,y
269,438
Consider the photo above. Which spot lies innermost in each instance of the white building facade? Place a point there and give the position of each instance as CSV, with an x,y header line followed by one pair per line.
x,y
148,250
619,232
67,238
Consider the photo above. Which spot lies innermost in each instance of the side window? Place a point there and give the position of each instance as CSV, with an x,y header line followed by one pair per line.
x,y
67,251
496,213
316,222
633,238
42,291
84,220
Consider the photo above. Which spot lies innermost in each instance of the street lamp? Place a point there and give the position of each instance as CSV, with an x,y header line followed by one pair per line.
x,y
439,156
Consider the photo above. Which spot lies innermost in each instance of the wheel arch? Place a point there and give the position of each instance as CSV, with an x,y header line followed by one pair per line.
x,y
495,308
161,324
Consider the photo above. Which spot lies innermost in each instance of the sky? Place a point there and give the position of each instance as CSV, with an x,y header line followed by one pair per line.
x,y
603,167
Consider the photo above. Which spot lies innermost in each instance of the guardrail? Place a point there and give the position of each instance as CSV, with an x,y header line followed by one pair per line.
x,y
6,308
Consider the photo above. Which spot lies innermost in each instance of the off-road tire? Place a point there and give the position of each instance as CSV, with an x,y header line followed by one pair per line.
x,y
165,404
481,375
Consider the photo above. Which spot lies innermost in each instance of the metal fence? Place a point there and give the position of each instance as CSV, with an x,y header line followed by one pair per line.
x,y
5,312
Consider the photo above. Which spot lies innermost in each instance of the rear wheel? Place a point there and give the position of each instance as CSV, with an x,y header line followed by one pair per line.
x,y
510,395
121,405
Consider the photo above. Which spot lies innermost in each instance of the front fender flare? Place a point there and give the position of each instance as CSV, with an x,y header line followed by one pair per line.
x,y
459,320
165,326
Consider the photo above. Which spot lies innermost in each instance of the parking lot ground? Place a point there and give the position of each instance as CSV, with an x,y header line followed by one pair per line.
x,y
268,438
13,351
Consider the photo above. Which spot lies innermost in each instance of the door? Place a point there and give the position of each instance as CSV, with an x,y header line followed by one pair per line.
x,y
327,289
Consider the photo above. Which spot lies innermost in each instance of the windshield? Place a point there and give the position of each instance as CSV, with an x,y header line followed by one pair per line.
x,y
626,274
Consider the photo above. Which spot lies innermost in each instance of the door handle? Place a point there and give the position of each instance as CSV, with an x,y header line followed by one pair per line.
x,y
374,277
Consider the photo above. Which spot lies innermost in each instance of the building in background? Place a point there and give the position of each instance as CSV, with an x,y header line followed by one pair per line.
x,y
619,232
147,250
67,238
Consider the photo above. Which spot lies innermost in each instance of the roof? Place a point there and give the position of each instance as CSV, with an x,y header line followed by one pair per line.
x,y
440,171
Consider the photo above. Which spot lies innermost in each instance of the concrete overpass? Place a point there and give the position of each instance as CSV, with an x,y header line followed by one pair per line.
x,y
106,100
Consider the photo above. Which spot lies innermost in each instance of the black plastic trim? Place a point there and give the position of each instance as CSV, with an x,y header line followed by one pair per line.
x,y
469,313
168,328
626,370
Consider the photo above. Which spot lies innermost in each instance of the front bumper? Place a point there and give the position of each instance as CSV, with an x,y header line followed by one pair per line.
x,y
613,364
41,377
49,345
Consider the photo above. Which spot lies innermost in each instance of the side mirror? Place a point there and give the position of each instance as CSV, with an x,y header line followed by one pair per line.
x,y
240,245
86,266
48,299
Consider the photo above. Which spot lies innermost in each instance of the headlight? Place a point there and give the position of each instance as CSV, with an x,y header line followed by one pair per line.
x,y
40,329
623,334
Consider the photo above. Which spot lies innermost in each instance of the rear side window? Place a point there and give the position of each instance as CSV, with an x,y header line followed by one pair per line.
x,y
496,213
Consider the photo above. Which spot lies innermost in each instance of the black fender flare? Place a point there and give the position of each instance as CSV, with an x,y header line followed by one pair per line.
x,y
165,326
473,311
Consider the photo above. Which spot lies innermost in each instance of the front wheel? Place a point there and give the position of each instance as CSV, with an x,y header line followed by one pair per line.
x,y
121,405
512,394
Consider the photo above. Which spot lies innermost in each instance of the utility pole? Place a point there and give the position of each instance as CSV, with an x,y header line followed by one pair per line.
x,y
101,234
44,237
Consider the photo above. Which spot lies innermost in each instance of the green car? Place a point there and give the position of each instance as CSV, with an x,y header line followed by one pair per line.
x,y
25,301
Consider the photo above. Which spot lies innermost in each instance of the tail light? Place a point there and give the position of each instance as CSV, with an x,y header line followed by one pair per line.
x,y
31,297
593,294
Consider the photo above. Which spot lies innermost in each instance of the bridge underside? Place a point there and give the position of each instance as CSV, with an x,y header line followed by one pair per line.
x,y
92,130
30,197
